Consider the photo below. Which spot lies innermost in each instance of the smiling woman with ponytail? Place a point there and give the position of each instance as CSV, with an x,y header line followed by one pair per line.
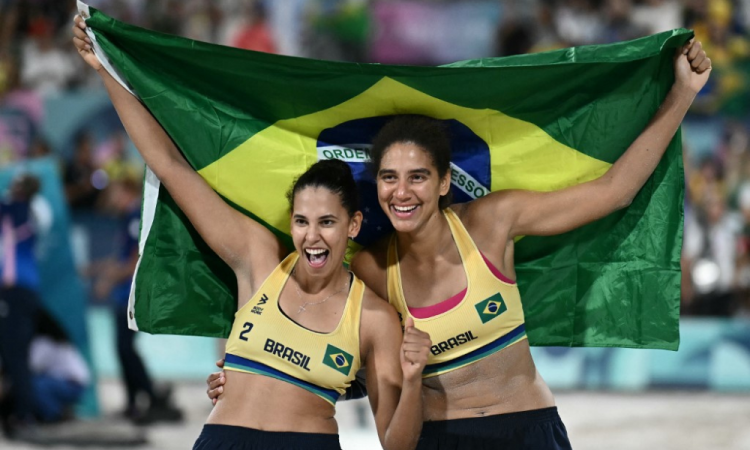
x,y
304,323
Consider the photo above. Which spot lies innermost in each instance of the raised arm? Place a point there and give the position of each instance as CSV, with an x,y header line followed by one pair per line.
x,y
228,232
394,375
549,213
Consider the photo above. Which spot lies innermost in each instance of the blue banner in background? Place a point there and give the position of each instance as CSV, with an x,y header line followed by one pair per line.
x,y
714,355
62,292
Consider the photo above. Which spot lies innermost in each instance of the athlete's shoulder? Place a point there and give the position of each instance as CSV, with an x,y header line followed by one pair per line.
x,y
459,208
370,264
373,302
379,319
467,213
376,310
483,217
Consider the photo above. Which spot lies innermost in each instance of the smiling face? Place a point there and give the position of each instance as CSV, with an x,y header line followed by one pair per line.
x,y
320,228
409,186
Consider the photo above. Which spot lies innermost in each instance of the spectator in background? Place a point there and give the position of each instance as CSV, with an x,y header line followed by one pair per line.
x,y
743,260
515,38
8,21
718,24
60,375
79,175
39,149
202,19
255,34
343,25
618,25
115,161
165,16
21,112
129,11
83,184
547,37
707,181
113,280
19,303
715,255
578,22
655,16
691,247
47,69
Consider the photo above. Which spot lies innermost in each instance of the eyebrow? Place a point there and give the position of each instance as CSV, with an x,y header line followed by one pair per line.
x,y
325,217
423,171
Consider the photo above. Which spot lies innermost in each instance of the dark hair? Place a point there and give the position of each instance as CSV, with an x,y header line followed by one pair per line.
x,y
334,175
130,183
46,325
25,186
429,134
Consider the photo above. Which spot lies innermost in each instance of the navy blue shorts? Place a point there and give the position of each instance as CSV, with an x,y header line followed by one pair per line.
x,y
228,437
540,429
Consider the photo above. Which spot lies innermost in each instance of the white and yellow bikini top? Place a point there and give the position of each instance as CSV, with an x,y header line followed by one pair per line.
x,y
488,319
265,341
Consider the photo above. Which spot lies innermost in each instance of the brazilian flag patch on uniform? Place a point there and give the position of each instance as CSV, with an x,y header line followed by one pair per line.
x,y
491,307
338,359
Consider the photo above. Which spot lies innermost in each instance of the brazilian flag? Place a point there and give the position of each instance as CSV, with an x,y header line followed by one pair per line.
x,y
250,123
338,360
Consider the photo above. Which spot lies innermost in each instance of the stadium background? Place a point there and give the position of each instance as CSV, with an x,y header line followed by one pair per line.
x,y
56,120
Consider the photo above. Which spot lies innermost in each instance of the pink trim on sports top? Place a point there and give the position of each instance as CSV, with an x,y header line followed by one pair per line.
x,y
446,305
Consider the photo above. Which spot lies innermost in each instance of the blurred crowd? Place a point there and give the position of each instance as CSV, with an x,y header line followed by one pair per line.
x,y
38,64
101,172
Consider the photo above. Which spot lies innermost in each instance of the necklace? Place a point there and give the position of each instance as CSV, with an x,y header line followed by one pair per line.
x,y
304,305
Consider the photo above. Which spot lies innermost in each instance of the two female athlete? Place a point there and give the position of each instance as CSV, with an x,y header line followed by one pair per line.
x,y
304,324
449,269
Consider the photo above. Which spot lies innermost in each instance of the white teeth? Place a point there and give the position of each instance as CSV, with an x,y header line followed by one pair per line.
x,y
314,251
404,208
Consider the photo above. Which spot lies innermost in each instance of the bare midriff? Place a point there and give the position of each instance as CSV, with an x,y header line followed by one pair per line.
x,y
504,382
265,403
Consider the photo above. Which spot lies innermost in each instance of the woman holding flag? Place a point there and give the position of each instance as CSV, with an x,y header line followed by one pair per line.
x,y
304,324
480,386
450,270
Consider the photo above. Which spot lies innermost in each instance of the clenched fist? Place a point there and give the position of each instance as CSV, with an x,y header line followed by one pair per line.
x,y
415,349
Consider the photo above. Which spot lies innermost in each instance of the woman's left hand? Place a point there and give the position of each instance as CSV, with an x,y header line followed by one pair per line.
x,y
415,349
691,67
216,382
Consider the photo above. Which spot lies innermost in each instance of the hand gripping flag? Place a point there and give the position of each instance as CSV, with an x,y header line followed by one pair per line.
x,y
250,123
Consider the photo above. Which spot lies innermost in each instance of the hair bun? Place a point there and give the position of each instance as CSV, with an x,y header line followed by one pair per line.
x,y
334,175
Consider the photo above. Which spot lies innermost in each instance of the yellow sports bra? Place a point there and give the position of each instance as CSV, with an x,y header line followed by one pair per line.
x,y
488,319
265,341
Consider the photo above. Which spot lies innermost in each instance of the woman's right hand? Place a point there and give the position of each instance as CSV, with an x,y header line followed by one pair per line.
x,y
249,248
216,382
83,43
415,350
